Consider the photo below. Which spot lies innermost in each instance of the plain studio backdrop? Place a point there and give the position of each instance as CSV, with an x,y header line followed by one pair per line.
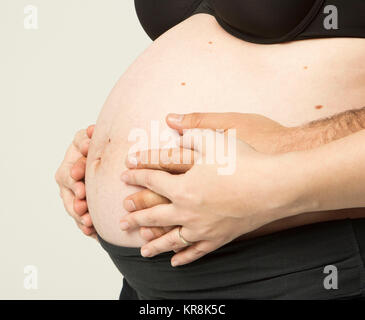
x,y
53,82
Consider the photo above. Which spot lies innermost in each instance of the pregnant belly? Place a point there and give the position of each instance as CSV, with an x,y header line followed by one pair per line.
x,y
210,71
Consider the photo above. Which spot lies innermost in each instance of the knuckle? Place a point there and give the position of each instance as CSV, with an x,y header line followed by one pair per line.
x,y
191,196
195,198
154,247
57,176
78,137
202,232
180,193
150,219
79,134
148,179
198,251
172,241
70,181
196,119
175,193
188,195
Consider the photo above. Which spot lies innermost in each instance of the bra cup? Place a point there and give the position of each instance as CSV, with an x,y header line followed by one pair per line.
x,y
158,16
262,18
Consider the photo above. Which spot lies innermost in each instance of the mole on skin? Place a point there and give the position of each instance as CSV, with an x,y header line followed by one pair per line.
x,y
318,107
210,42
305,67
183,83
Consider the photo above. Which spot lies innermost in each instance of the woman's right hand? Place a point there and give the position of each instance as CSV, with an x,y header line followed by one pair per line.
x,y
70,178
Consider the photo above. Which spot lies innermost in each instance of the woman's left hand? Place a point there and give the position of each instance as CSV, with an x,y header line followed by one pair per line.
x,y
211,217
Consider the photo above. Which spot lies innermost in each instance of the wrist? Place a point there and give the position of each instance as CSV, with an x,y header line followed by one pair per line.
x,y
291,193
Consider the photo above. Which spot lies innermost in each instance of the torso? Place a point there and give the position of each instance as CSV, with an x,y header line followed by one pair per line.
x,y
198,67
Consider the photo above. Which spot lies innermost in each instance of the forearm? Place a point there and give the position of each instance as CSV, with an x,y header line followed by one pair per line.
x,y
328,184
330,177
322,131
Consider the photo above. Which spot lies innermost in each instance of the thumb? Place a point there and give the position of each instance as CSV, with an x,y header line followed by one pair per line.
x,y
213,121
90,130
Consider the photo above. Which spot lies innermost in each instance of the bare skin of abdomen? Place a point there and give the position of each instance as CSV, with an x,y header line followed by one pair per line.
x,y
211,71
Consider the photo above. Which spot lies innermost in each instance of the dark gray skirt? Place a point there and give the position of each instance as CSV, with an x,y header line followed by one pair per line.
x,y
285,265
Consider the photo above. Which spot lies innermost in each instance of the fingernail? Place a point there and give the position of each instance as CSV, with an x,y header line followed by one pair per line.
x,y
124,177
124,225
129,205
82,221
132,162
175,118
145,252
175,263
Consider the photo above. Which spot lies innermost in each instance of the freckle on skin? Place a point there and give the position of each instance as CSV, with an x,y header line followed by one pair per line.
x,y
305,67
110,140
318,107
210,42
183,83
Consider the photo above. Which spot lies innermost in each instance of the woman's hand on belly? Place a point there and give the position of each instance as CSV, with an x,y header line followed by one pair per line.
x,y
214,206
202,219
263,133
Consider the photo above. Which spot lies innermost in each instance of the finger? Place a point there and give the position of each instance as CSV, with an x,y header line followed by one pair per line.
x,y
66,181
162,215
80,206
90,130
143,199
86,221
193,253
78,169
168,242
68,199
173,160
79,190
84,147
72,155
160,182
79,139
86,230
63,175
199,140
150,233
221,121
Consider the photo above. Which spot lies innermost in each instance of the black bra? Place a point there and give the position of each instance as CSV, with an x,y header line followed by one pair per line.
x,y
261,21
